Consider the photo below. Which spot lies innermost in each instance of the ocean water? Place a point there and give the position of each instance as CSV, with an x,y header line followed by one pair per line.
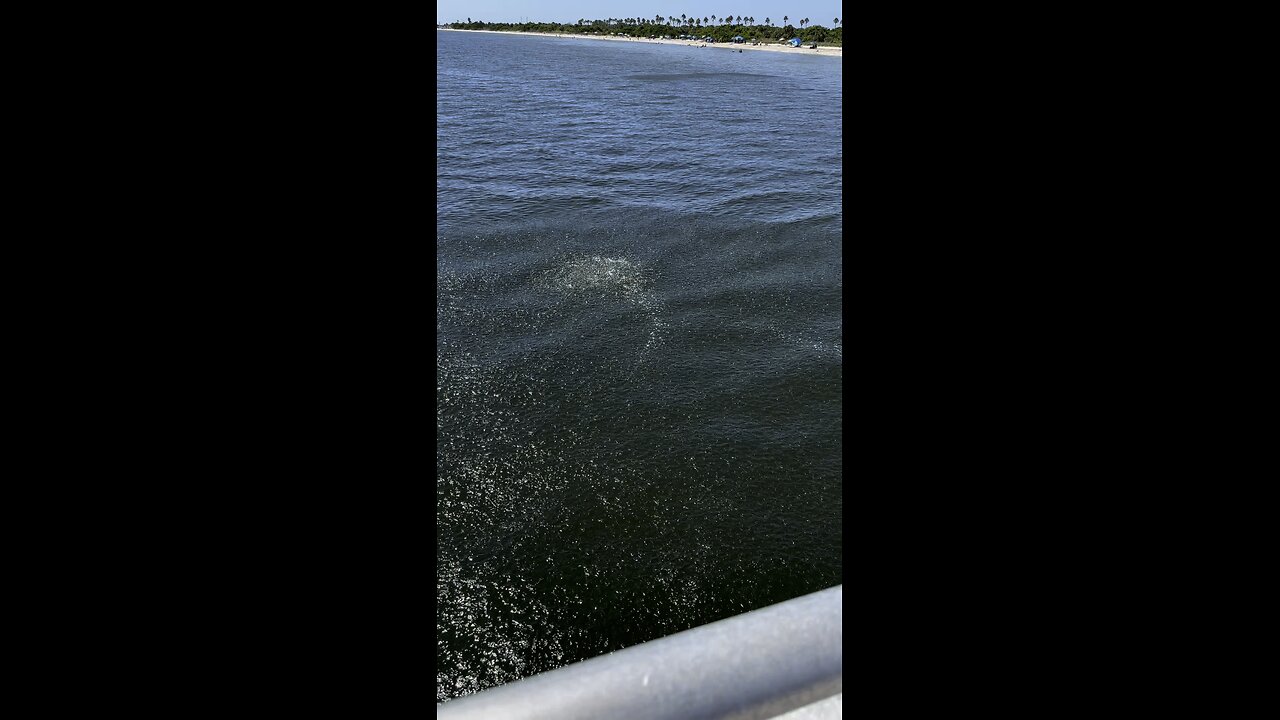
x,y
639,344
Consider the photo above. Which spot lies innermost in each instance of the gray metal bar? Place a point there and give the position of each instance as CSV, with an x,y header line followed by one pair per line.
x,y
752,666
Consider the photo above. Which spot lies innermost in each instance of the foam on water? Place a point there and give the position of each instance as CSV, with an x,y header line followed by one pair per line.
x,y
618,276
612,277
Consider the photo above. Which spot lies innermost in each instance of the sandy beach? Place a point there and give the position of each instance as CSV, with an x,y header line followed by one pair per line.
x,y
770,47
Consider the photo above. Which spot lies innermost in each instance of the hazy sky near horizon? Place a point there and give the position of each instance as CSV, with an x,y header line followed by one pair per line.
x,y
819,12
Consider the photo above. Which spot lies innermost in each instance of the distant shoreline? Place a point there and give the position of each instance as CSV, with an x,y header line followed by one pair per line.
x,y
771,47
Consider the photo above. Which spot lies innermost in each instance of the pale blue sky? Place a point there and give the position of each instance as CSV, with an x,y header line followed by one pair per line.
x,y
819,12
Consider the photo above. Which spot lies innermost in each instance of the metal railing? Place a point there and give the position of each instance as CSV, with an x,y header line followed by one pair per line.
x,y
757,665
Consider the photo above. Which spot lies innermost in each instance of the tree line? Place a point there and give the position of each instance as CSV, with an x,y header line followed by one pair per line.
x,y
721,29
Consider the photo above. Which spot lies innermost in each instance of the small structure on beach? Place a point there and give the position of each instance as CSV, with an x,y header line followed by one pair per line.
x,y
794,42
738,38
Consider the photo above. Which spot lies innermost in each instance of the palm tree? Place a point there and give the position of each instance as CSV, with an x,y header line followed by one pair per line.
x,y
835,21
766,24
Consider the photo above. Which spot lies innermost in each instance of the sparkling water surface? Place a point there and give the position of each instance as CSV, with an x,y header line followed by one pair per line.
x,y
638,344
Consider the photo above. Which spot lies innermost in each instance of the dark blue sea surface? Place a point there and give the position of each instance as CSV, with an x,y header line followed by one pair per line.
x,y
639,344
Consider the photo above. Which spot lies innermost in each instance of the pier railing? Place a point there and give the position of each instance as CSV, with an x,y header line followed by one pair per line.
x,y
785,658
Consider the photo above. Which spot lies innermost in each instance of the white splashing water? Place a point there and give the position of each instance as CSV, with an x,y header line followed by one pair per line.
x,y
619,278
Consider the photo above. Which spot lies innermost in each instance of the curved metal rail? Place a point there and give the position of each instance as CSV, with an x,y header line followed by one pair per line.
x,y
760,664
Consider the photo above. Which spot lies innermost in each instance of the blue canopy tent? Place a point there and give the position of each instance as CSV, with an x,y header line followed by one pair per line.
x,y
738,38
794,42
